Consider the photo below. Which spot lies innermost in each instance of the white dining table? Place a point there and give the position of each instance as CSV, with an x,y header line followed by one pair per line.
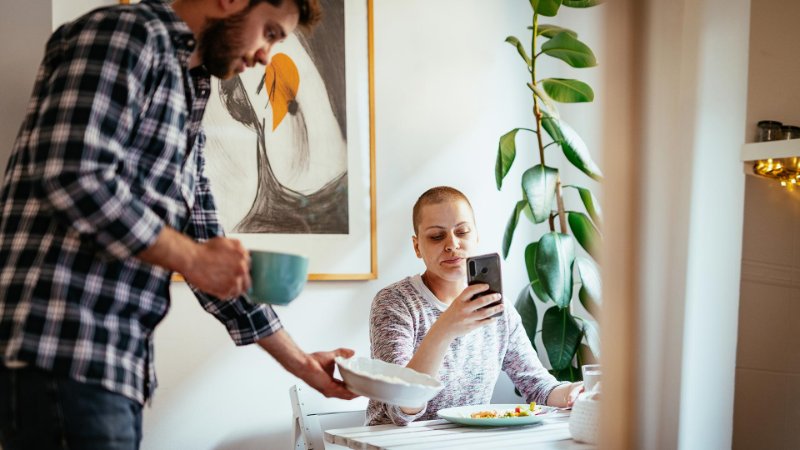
x,y
551,433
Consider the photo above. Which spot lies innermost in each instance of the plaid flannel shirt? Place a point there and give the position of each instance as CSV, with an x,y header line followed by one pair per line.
x,y
109,153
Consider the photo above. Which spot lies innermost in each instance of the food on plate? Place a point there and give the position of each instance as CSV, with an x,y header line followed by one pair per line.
x,y
519,411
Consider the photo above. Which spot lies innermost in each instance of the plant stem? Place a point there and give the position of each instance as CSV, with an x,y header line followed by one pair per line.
x,y
560,201
537,114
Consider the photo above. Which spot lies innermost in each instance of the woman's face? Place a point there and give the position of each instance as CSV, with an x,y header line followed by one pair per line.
x,y
445,238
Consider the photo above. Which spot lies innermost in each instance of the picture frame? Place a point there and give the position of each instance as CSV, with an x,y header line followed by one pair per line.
x,y
331,220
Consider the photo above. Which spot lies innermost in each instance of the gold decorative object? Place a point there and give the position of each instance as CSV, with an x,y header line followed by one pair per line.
x,y
785,170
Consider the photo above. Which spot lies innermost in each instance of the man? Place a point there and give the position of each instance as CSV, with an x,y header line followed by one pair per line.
x,y
104,198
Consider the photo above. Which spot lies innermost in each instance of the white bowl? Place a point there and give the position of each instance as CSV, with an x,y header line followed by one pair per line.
x,y
386,382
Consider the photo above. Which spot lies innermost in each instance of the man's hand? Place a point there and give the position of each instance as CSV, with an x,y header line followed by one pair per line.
x,y
319,373
221,268
316,369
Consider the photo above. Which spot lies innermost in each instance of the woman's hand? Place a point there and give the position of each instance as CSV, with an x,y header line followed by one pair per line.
x,y
564,396
466,314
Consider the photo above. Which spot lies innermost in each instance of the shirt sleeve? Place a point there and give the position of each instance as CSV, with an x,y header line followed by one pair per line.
x,y
392,340
522,364
97,89
246,322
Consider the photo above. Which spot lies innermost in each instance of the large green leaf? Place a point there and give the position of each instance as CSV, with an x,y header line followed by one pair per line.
x,y
520,49
568,91
527,311
572,145
591,285
580,3
539,185
554,258
547,8
585,232
549,31
591,204
527,211
561,335
591,332
506,152
570,373
568,48
511,226
533,276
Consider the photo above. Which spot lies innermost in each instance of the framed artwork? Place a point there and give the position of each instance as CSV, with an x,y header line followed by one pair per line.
x,y
290,148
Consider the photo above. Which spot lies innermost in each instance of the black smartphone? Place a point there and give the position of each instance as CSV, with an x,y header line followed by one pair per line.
x,y
486,269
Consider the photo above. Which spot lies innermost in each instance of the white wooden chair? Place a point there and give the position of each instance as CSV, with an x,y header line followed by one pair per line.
x,y
312,413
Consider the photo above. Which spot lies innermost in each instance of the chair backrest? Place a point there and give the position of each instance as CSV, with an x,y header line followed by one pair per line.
x,y
504,391
312,413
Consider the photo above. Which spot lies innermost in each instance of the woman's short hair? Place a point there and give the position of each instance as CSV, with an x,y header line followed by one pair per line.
x,y
434,196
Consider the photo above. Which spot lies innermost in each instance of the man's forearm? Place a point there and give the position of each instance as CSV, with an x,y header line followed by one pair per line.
x,y
172,250
281,346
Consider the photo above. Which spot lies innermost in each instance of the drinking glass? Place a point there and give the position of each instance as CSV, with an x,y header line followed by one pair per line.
x,y
591,375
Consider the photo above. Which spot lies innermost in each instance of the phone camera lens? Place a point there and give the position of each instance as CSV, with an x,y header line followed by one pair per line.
x,y
484,270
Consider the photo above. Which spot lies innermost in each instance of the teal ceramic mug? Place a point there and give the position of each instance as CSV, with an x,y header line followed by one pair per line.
x,y
277,278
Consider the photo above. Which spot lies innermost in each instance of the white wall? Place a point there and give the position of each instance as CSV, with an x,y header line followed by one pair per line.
x,y
24,27
768,353
715,226
447,87
691,198
66,10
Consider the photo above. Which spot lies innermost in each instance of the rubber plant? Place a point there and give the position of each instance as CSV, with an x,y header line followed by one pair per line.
x,y
554,267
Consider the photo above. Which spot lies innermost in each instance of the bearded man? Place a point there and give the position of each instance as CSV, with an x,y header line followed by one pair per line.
x,y
104,198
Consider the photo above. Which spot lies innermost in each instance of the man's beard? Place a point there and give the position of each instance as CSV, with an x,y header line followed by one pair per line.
x,y
220,45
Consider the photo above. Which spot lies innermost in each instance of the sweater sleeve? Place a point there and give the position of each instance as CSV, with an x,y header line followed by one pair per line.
x,y
523,366
391,330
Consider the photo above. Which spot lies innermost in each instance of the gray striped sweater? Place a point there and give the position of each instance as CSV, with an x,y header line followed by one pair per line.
x,y
401,316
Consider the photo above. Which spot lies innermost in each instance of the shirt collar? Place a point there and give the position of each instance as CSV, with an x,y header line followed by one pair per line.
x,y
182,37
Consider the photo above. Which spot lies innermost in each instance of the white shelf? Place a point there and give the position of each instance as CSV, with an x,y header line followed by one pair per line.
x,y
766,150
771,149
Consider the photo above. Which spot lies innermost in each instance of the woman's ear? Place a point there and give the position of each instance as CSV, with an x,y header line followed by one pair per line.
x,y
415,241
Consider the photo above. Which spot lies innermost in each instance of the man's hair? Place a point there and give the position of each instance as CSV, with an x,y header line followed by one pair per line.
x,y
434,196
310,11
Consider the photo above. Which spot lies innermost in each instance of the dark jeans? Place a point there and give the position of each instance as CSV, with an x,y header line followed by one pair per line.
x,y
40,411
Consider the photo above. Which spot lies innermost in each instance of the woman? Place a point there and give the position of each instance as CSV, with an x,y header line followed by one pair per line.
x,y
428,322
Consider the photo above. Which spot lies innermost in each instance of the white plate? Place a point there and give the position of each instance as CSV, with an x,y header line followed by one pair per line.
x,y
386,382
462,415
